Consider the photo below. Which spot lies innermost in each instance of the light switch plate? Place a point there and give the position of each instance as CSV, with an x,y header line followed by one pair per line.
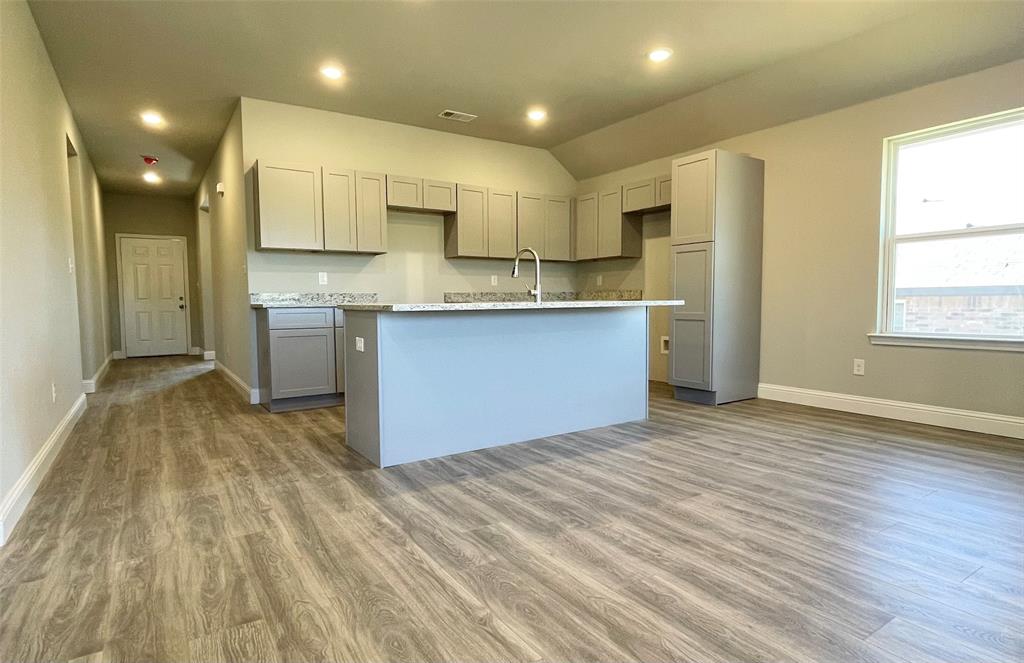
x,y
664,345
360,344
858,367
322,277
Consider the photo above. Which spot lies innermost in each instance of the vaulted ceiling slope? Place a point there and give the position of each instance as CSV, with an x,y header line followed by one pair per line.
x,y
407,61
940,42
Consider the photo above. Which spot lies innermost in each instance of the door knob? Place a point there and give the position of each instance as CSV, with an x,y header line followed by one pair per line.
x,y
181,306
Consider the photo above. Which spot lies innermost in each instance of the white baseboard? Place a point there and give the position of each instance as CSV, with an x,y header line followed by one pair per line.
x,y
195,350
251,395
89,386
13,505
209,355
119,354
972,420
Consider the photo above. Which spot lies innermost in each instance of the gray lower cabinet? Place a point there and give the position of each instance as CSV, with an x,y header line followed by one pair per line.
x,y
299,358
717,205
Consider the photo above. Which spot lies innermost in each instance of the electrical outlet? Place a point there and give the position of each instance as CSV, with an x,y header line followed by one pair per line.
x,y
71,265
360,344
322,277
600,279
53,392
664,345
494,279
858,367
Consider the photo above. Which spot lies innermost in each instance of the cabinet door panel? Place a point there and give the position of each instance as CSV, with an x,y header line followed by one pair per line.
x,y
530,222
663,190
690,356
300,318
289,205
690,349
609,224
405,192
439,196
471,222
638,195
339,209
302,362
586,227
693,195
557,228
501,223
371,212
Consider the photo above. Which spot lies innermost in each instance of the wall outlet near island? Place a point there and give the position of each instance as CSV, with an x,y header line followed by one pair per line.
x,y
53,392
664,345
360,344
322,277
858,367
494,279
600,279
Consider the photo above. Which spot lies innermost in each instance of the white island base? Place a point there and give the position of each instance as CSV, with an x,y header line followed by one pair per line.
x,y
424,381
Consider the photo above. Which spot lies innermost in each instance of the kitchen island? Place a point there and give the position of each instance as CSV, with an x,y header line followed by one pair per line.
x,y
429,380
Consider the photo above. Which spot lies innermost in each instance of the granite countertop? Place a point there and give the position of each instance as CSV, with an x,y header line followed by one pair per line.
x,y
308,299
507,306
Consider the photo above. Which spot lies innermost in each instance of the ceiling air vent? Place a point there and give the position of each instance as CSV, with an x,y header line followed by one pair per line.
x,y
457,116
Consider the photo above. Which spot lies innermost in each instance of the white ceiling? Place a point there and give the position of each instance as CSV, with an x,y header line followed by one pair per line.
x,y
407,61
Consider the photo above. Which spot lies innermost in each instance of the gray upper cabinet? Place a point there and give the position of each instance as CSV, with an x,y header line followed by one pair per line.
x,y
405,192
501,223
639,196
693,198
663,190
544,223
465,231
483,226
318,208
439,196
339,186
288,207
530,222
415,194
714,351
371,212
586,227
557,228
618,235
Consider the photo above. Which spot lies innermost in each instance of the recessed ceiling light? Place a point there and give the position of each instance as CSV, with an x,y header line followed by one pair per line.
x,y
537,114
151,177
331,72
659,54
152,118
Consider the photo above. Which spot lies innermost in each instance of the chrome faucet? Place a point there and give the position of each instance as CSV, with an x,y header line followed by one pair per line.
x,y
535,290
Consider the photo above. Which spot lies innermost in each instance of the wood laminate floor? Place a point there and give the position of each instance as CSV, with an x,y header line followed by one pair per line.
x,y
178,524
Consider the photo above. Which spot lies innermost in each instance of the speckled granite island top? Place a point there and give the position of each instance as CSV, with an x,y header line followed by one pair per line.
x,y
507,306
308,299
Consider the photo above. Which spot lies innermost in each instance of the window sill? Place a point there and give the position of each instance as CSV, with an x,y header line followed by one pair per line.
x,y
952,342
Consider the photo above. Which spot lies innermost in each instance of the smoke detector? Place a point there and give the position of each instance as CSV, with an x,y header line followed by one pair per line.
x,y
456,116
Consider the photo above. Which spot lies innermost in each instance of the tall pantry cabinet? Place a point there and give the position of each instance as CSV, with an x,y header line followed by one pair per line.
x,y
717,212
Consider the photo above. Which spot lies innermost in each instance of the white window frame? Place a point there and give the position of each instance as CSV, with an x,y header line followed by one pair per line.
x,y
888,241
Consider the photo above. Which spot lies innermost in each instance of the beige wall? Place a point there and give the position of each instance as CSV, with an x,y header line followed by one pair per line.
x,y
822,192
151,215
225,227
39,333
414,268
90,263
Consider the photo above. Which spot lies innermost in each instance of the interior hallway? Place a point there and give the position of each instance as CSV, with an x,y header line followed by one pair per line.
x,y
179,524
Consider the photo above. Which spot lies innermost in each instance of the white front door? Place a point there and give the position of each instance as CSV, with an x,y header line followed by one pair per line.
x,y
153,296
